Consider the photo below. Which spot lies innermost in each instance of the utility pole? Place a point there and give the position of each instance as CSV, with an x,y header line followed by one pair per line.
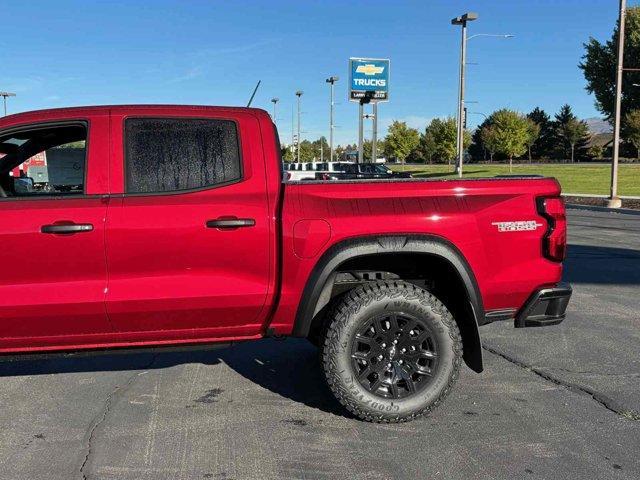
x,y
462,20
299,94
293,137
331,81
374,134
274,101
4,96
614,200
374,131
360,132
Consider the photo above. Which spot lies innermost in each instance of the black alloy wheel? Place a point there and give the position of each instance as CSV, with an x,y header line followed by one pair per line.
x,y
394,355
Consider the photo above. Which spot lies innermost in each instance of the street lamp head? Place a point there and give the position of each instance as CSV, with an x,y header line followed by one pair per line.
x,y
275,100
332,79
463,19
7,94
299,93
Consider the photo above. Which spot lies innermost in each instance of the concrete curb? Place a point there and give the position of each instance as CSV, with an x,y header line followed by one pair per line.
x,y
590,195
593,208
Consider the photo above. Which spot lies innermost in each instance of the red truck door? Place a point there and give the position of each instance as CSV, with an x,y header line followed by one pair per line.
x,y
53,262
189,242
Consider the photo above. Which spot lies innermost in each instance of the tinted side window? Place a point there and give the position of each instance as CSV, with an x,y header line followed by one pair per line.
x,y
350,168
171,154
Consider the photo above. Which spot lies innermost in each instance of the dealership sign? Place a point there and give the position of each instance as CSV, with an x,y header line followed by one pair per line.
x,y
368,77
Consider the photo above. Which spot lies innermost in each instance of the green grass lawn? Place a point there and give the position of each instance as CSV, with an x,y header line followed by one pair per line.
x,y
576,178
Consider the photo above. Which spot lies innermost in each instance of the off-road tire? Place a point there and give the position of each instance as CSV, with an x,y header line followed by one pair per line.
x,y
352,312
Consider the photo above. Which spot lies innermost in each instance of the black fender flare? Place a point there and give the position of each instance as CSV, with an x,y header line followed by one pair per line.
x,y
317,291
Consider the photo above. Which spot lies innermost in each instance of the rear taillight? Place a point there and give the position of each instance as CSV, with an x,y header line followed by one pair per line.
x,y
554,243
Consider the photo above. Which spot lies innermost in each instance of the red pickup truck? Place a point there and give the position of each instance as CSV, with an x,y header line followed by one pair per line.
x,y
183,232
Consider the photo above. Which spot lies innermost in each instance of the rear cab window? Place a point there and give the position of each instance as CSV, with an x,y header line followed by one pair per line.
x,y
164,155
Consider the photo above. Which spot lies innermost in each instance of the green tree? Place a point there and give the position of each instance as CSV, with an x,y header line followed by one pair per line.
x,y
401,140
632,129
599,66
287,153
596,151
478,150
543,147
306,151
320,149
572,134
573,131
533,133
367,148
507,134
490,141
439,140
427,147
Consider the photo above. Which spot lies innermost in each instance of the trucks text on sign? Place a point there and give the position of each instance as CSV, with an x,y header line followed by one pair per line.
x,y
369,77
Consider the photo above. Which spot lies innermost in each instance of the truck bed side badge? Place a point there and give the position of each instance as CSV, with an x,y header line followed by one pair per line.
x,y
517,226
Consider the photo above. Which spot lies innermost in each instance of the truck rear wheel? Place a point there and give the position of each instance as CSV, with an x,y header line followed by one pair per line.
x,y
391,351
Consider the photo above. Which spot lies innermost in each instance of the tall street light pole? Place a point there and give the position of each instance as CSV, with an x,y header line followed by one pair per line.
x,y
462,21
4,96
614,200
274,101
298,94
331,81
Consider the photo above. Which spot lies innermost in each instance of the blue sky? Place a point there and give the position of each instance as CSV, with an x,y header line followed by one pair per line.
x,y
66,53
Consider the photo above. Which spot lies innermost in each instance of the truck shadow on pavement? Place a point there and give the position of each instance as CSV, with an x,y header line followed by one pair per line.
x,y
602,265
288,368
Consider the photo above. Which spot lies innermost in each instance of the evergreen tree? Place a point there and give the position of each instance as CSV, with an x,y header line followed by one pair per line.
x,y
543,147
599,66
478,150
572,135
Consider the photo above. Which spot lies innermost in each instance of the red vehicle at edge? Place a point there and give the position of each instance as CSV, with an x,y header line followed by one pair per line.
x,y
184,233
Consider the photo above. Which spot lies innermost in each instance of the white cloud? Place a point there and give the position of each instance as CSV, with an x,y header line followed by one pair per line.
x,y
190,74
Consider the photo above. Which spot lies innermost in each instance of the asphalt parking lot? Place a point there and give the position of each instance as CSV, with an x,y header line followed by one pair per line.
x,y
556,402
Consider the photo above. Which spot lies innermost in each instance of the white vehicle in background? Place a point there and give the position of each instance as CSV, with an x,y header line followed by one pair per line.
x,y
297,171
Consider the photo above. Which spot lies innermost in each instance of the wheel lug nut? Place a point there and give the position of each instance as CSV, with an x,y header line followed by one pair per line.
x,y
400,361
388,365
395,341
379,357
403,350
384,345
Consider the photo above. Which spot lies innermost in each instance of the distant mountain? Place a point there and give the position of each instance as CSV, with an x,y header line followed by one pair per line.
x,y
598,125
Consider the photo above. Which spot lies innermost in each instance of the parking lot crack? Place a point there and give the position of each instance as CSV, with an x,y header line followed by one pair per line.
x,y
101,418
603,400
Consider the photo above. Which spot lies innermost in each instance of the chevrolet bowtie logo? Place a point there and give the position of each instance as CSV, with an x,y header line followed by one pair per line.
x,y
369,69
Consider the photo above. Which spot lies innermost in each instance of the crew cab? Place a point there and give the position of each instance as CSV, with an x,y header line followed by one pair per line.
x,y
184,232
